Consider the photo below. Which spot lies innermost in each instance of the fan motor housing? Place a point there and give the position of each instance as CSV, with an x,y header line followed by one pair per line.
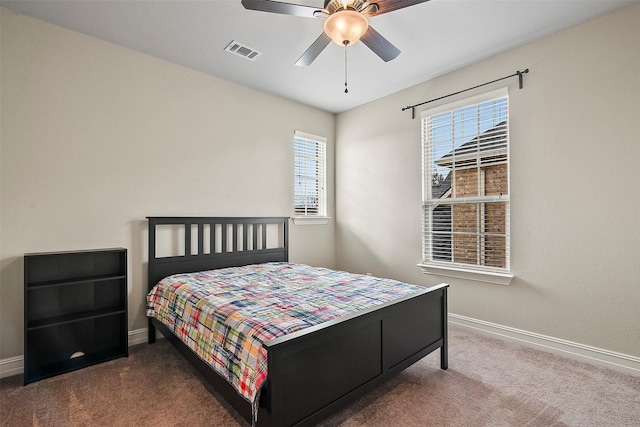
x,y
335,5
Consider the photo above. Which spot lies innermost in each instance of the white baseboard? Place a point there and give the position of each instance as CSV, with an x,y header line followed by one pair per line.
x,y
11,366
137,336
15,365
584,353
610,359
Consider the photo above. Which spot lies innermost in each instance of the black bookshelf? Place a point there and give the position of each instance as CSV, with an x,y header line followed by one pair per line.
x,y
75,310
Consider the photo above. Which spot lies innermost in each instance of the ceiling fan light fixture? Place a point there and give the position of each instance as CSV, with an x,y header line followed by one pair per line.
x,y
346,26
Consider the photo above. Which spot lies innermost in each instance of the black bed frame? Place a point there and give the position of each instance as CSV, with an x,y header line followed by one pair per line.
x,y
319,370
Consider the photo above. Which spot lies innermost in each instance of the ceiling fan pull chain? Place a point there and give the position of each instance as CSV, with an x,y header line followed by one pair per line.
x,y
346,89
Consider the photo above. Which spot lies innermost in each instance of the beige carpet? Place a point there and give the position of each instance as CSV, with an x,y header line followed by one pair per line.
x,y
489,383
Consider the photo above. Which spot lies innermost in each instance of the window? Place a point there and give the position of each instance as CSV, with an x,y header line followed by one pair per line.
x,y
309,175
466,186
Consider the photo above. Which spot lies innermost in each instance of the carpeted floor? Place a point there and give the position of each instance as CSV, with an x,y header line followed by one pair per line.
x,y
489,383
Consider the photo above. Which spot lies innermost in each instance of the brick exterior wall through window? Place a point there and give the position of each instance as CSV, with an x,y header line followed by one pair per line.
x,y
471,244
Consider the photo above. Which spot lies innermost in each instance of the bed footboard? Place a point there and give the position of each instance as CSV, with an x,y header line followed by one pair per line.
x,y
319,370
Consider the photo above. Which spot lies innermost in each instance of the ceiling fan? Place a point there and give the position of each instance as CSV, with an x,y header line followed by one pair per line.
x,y
345,23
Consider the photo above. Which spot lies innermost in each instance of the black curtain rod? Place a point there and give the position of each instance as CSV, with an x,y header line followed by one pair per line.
x,y
517,73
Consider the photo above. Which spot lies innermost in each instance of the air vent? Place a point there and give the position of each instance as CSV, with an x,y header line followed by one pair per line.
x,y
242,50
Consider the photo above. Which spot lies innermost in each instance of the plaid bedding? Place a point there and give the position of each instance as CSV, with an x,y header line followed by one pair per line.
x,y
225,315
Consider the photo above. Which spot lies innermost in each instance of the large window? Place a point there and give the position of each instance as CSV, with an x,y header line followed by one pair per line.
x,y
466,184
309,175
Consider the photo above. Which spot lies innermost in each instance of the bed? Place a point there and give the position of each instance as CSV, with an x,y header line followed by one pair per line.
x,y
314,371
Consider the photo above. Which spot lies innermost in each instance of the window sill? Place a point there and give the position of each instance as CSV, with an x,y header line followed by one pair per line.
x,y
468,274
311,220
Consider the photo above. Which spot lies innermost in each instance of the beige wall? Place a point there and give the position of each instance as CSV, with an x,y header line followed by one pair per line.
x,y
96,137
575,187
92,133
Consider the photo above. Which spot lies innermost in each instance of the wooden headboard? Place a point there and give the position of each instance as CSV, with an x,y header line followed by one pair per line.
x,y
188,244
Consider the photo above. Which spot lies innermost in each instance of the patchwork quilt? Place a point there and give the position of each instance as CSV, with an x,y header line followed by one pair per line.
x,y
225,315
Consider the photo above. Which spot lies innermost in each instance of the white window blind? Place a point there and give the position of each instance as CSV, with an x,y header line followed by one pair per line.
x,y
309,175
466,184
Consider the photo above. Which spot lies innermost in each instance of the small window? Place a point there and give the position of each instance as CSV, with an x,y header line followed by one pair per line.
x,y
466,184
310,152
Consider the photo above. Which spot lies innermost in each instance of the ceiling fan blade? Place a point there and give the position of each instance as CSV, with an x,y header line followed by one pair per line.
x,y
283,8
314,50
379,45
385,6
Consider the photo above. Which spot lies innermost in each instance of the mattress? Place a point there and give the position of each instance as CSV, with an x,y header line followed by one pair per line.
x,y
225,315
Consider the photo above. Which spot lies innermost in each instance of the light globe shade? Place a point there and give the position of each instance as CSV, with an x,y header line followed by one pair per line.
x,y
346,26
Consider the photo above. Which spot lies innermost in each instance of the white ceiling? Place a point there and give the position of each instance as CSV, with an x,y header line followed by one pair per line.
x,y
435,37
